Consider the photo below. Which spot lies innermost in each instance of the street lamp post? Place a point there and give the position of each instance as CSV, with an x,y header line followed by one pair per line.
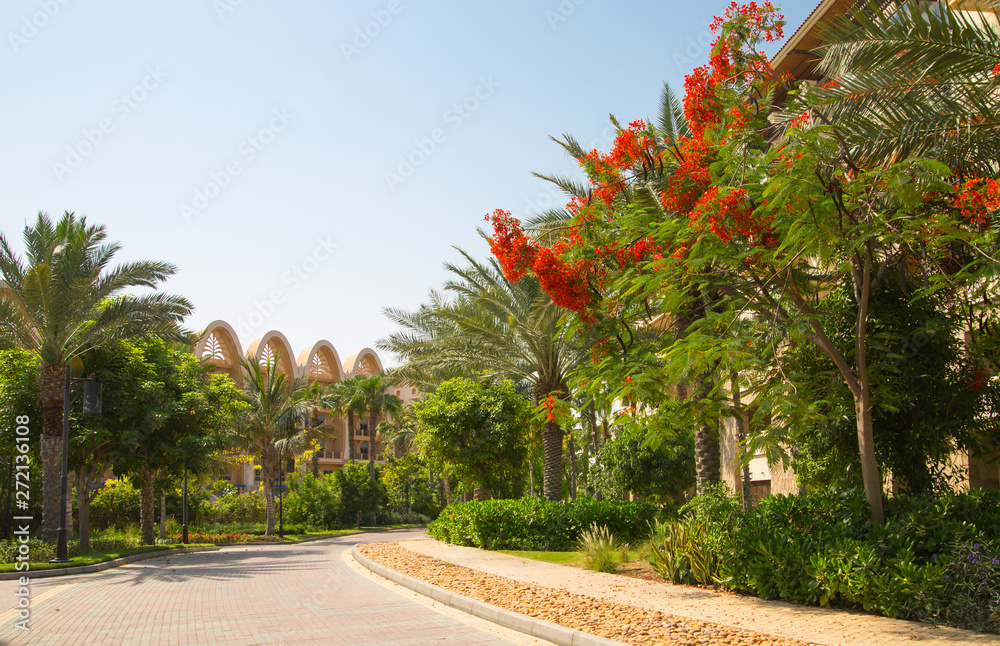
x,y
184,510
281,487
91,405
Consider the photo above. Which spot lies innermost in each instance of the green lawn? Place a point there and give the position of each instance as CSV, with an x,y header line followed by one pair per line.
x,y
559,558
91,558
564,558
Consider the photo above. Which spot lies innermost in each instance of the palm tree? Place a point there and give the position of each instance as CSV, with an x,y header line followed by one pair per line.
x,y
917,81
504,330
671,126
345,398
270,426
377,402
65,298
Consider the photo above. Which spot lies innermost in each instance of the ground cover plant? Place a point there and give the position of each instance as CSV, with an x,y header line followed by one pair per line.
x,y
104,546
536,524
935,559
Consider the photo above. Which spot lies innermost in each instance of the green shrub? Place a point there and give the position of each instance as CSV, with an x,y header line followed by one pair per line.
x,y
536,524
313,501
359,495
115,505
818,548
233,508
971,590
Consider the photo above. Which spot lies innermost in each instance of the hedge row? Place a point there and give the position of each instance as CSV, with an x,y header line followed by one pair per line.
x,y
935,559
536,524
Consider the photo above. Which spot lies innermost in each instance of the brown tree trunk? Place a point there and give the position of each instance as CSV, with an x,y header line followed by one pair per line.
x,y
552,472
146,520
51,385
481,493
572,467
447,488
707,455
741,437
268,473
83,508
163,516
531,472
349,442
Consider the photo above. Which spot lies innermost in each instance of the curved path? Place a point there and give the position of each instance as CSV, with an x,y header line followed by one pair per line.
x,y
307,593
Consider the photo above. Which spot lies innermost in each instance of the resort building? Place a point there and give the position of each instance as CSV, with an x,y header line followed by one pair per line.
x,y
219,346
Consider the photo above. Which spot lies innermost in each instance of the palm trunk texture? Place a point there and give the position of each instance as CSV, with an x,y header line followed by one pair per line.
x,y
552,440
51,384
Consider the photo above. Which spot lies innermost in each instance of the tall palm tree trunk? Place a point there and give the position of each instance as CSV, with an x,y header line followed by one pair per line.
x,y
349,442
552,473
163,516
268,472
51,385
572,467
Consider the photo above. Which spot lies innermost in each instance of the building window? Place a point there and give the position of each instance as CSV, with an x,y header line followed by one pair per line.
x,y
257,474
413,392
398,392
364,450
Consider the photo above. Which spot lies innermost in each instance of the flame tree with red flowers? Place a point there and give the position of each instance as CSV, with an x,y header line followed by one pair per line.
x,y
702,250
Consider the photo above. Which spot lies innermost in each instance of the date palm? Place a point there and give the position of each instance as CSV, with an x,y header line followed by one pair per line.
x,y
917,81
270,427
501,329
344,398
64,298
377,403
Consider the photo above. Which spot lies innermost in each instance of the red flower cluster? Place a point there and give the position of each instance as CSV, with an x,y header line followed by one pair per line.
x,y
509,244
730,216
691,178
550,406
977,200
565,282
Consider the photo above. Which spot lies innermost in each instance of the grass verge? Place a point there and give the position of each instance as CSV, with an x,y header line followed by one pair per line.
x,y
92,558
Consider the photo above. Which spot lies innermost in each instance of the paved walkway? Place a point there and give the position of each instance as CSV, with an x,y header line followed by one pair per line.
x,y
808,623
283,594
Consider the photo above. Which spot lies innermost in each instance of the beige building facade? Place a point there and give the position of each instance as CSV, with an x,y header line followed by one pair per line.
x,y
219,346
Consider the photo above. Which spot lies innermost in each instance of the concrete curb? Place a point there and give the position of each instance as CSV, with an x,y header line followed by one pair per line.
x,y
99,567
522,623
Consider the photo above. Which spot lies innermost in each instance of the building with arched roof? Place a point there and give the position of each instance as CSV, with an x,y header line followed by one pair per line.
x,y
219,346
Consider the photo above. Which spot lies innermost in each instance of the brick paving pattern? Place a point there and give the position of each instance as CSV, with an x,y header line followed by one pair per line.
x,y
296,594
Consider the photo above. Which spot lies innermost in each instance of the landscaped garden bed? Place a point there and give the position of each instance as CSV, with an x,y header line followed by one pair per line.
x,y
610,620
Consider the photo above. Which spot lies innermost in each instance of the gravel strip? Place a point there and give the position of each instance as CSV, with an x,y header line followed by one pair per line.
x,y
611,620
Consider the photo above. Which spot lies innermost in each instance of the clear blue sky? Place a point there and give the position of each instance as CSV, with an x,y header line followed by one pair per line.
x,y
256,144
